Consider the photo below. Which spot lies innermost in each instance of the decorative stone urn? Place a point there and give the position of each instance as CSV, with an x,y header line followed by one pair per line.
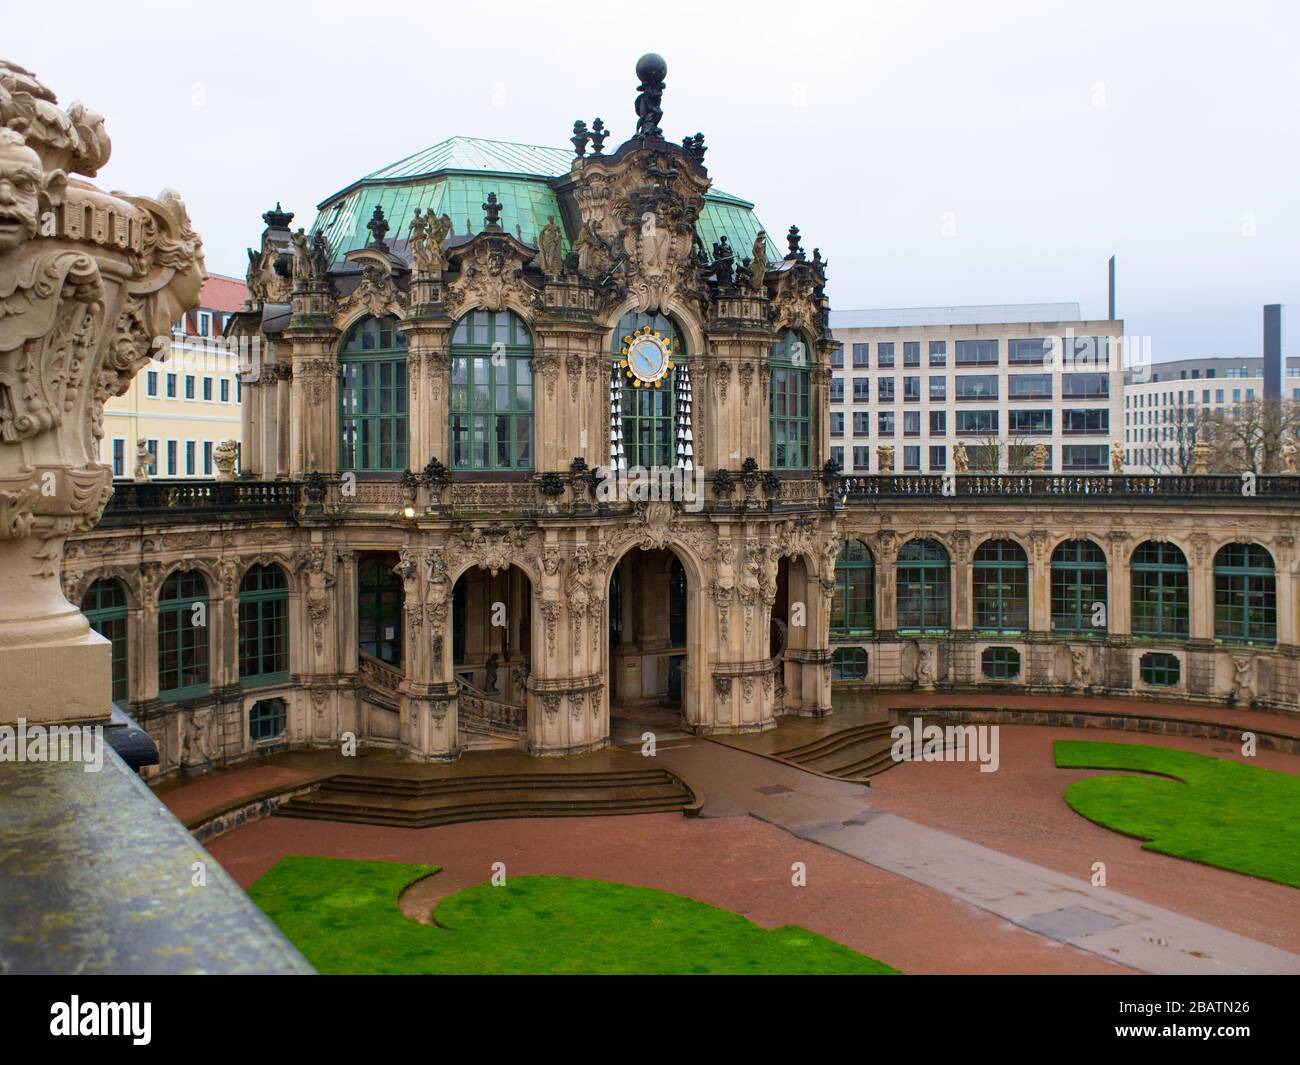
x,y
90,284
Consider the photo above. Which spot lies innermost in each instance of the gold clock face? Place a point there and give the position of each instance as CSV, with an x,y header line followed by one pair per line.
x,y
647,357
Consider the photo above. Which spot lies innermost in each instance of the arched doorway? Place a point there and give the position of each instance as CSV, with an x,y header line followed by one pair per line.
x,y
649,640
491,641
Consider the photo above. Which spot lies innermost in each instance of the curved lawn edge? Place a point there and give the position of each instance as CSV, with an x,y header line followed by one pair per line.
x,y
1225,814
344,915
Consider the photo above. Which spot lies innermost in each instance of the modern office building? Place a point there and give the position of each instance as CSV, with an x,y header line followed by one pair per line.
x,y
1162,405
996,379
186,401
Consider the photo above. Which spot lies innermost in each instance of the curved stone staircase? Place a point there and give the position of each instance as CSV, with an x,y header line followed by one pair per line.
x,y
415,803
856,753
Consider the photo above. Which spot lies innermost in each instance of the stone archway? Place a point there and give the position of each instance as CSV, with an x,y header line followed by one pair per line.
x,y
650,635
491,655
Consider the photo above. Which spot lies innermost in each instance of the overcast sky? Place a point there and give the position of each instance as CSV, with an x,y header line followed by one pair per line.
x,y
937,152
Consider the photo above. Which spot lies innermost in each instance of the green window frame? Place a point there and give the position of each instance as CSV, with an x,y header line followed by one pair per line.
x,y
379,609
1160,596
264,626
790,401
1245,595
853,610
849,663
1160,669
373,431
492,392
267,720
924,588
649,414
1001,587
1078,584
1000,663
104,605
183,645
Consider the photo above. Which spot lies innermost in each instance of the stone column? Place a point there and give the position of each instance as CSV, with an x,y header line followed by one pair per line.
x,y
90,280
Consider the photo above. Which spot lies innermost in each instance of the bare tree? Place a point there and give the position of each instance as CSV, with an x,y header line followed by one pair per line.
x,y
1188,426
1248,436
987,454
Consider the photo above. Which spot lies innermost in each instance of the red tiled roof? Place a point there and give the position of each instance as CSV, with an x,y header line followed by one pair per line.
x,y
221,293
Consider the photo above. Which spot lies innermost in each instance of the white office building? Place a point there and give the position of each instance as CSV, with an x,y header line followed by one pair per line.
x,y
998,379
1162,405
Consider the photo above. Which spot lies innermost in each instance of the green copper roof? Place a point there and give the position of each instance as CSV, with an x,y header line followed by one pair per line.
x,y
454,177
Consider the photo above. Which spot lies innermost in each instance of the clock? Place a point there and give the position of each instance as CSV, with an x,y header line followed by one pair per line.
x,y
647,357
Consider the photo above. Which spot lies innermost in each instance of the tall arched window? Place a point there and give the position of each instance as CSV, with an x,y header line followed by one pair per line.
x,y
1245,595
924,587
1001,579
183,636
790,403
372,398
263,626
1079,603
853,611
1160,601
650,421
491,392
104,605
379,610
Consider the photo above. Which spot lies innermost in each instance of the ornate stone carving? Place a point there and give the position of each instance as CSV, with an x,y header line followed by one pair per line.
x,y
491,275
225,455
377,295
88,281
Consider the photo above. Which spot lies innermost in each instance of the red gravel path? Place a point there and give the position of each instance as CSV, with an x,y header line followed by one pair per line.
x,y
737,862
1020,810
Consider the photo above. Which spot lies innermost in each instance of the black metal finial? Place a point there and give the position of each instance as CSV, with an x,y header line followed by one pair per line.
x,y
278,218
598,135
378,226
492,212
580,138
651,69
792,239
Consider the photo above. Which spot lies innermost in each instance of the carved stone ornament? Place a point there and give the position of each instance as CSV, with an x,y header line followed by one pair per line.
x,y
491,275
88,281
377,295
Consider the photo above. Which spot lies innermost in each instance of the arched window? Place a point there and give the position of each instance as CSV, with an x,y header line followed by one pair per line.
x,y
1160,601
1245,595
372,397
104,605
649,426
853,611
1001,578
789,403
491,392
183,635
923,587
1079,601
379,610
264,626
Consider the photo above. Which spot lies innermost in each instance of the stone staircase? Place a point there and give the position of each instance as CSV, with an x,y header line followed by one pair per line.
x,y
856,753
414,803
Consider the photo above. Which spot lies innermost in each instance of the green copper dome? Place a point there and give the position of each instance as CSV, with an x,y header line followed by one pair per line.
x,y
454,177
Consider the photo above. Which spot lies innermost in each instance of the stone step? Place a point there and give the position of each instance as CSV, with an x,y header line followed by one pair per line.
x,y
425,803
835,741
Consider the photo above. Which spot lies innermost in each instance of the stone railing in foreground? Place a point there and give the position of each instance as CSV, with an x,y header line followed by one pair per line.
x,y
96,876
490,715
167,502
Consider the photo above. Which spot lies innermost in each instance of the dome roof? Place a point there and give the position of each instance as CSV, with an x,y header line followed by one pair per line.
x,y
454,177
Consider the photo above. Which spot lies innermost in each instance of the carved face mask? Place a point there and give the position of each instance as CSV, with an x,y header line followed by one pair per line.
x,y
20,189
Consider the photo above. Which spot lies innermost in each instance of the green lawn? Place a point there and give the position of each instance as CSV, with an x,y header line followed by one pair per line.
x,y
343,916
1220,813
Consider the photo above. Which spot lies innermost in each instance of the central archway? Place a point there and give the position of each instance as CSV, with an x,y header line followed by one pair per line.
x,y
649,598
491,641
